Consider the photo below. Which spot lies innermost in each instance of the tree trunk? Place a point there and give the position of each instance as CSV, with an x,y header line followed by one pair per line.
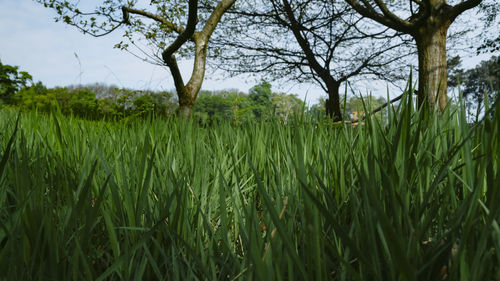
x,y
187,93
186,97
428,25
432,73
184,111
186,103
333,102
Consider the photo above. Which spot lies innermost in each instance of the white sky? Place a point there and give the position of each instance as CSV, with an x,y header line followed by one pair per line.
x,y
30,39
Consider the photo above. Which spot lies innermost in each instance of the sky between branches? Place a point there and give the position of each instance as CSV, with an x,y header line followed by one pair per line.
x,y
59,55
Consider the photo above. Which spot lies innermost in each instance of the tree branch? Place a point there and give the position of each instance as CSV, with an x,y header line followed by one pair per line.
x,y
304,44
389,14
215,17
187,33
387,18
126,11
97,35
462,7
168,54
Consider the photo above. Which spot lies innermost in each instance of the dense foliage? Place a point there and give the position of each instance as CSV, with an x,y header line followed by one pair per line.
x,y
99,101
476,83
416,199
107,102
11,80
94,101
321,41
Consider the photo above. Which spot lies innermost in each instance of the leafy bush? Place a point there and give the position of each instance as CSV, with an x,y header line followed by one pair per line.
x,y
37,97
260,95
83,103
211,107
152,104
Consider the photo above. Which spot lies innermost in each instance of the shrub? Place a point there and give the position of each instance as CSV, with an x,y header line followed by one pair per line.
x,y
83,103
37,97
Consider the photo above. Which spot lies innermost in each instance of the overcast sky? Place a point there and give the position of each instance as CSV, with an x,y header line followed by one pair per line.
x,y
30,39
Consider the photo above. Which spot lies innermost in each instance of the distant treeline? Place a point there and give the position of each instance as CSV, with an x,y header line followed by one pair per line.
x,y
99,101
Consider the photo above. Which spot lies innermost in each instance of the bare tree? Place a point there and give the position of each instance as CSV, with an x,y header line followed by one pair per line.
x,y
427,22
314,40
159,23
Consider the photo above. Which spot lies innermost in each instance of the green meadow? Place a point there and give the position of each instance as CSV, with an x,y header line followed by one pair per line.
x,y
415,197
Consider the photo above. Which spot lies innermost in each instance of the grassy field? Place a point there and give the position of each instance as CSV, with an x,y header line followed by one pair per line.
x,y
416,199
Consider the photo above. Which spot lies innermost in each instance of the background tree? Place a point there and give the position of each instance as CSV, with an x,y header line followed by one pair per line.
x,y
162,21
427,22
260,97
11,81
476,83
285,106
316,40
212,107
259,104
359,107
317,111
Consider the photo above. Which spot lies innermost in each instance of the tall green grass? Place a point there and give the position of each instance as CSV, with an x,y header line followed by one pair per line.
x,y
416,199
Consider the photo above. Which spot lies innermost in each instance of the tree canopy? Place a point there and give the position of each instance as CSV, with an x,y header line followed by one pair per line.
x,y
11,81
167,27
427,22
325,41
476,83
321,41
